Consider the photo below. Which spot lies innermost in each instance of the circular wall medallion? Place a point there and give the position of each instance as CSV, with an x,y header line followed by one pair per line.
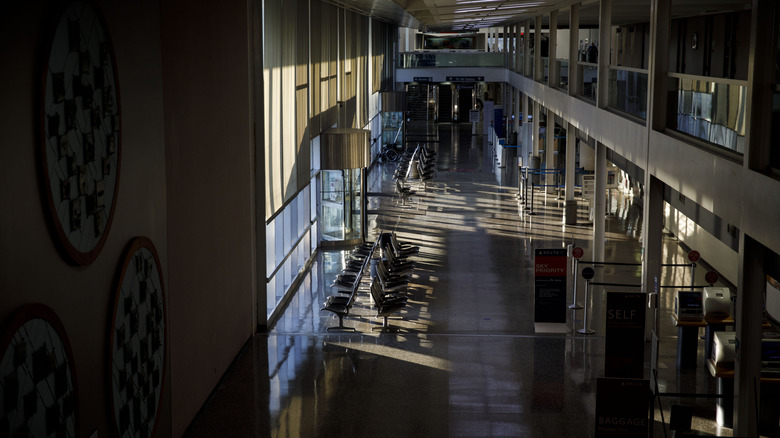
x,y
37,381
80,148
138,342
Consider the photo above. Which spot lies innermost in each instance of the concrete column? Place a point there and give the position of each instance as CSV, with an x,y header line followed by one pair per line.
x,y
518,48
553,74
761,77
526,129
527,50
574,68
660,23
599,204
570,210
747,367
549,150
506,40
652,240
516,112
494,32
258,249
538,67
510,111
605,31
535,129
653,205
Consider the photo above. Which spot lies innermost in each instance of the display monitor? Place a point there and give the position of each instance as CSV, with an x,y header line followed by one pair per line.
x,y
772,301
688,305
770,357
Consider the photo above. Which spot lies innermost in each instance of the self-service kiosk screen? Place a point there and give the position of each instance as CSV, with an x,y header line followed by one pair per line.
x,y
689,300
772,301
770,351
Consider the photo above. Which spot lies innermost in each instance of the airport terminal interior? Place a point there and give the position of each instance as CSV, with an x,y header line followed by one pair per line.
x,y
463,358
423,218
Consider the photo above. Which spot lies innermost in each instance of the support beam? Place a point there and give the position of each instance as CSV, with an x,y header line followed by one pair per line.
x,y
761,77
535,131
570,210
516,112
538,66
527,50
553,72
549,151
605,31
574,31
750,308
652,243
660,23
600,204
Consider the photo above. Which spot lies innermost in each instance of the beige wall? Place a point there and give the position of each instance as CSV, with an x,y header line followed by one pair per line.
x,y
186,182
210,203
31,269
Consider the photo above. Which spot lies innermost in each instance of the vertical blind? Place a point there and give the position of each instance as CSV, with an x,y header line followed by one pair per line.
x,y
309,48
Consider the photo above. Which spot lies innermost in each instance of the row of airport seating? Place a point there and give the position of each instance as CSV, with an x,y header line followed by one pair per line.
x,y
391,270
418,163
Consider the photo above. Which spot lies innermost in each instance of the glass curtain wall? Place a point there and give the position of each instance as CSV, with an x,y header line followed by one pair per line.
x,y
290,220
312,51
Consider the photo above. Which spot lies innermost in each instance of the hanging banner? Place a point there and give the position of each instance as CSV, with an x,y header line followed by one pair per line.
x,y
622,407
624,350
550,285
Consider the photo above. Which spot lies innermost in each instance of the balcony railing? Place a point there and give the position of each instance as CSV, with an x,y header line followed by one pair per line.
x,y
452,59
712,109
628,91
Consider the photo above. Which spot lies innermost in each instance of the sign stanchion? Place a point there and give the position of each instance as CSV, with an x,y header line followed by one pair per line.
x,y
585,330
577,253
694,257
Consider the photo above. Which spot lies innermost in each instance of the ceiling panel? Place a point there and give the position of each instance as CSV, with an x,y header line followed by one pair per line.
x,y
472,15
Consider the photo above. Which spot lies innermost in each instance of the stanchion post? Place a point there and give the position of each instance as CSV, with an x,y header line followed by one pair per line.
x,y
585,330
574,305
693,275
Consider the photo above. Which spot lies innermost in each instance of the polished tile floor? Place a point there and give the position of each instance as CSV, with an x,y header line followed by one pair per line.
x,y
466,360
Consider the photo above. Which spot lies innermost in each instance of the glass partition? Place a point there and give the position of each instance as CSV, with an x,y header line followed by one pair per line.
x,y
545,68
451,59
563,73
341,200
628,91
588,75
711,109
521,66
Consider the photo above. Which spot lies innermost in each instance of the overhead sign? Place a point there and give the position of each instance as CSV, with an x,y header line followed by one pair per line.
x,y
465,78
589,186
423,79
622,407
624,352
550,285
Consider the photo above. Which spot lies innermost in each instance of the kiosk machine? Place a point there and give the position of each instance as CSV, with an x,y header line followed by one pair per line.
x,y
717,302
688,305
